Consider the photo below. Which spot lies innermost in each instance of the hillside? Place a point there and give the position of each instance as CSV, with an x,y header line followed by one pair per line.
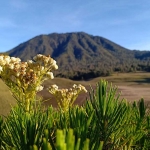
x,y
83,56
7,101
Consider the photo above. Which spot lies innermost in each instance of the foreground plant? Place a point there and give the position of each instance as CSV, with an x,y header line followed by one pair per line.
x,y
66,97
25,78
105,119
68,142
23,130
117,123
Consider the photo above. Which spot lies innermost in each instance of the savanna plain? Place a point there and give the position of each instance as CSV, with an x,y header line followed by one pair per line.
x,y
132,86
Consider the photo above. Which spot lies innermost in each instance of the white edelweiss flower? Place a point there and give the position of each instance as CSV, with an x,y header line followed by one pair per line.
x,y
50,75
84,89
18,60
25,63
29,61
54,62
11,66
39,55
7,60
39,88
54,86
1,57
2,62
13,59
74,86
56,67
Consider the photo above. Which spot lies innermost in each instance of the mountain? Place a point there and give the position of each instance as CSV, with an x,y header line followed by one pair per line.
x,y
82,56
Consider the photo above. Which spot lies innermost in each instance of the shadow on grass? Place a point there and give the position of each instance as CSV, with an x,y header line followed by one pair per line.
x,y
143,81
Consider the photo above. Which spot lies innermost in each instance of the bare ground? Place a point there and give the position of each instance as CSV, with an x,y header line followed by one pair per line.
x,y
130,93
132,89
134,93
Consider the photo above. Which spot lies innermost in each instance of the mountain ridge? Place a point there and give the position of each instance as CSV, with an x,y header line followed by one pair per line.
x,y
82,56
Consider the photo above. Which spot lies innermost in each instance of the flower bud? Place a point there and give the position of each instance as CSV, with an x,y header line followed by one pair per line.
x,y
11,66
50,75
30,61
7,60
54,86
39,88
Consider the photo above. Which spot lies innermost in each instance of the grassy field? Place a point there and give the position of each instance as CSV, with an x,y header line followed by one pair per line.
x,y
132,85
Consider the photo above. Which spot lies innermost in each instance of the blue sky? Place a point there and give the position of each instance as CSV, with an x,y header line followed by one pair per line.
x,y
125,22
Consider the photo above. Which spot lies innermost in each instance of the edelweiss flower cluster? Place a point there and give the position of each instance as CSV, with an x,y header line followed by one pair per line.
x,y
66,97
27,77
7,60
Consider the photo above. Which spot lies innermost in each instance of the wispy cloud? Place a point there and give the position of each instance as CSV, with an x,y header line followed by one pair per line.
x,y
7,23
18,4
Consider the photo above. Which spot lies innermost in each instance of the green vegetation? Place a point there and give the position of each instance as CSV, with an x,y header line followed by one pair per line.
x,y
105,119
103,122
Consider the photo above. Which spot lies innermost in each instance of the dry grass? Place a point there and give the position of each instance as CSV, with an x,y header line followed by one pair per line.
x,y
6,99
132,85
